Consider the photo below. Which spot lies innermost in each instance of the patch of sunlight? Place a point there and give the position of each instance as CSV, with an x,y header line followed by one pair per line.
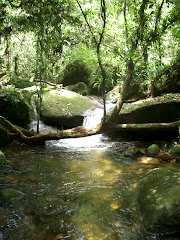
x,y
98,172
132,186
115,205
97,169
118,224
147,160
65,93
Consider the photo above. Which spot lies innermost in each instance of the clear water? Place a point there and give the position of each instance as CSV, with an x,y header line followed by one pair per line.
x,y
74,189
77,189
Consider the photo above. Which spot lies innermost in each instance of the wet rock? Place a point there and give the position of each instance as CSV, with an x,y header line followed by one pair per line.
x,y
132,152
152,151
175,150
159,200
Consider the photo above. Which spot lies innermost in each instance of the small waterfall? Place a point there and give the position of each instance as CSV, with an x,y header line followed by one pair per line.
x,y
93,116
42,127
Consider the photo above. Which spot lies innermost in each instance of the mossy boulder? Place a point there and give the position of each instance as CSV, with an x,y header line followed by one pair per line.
x,y
152,110
63,108
132,152
153,150
159,200
15,106
80,88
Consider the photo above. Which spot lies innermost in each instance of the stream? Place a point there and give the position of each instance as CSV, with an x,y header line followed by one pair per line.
x,y
77,189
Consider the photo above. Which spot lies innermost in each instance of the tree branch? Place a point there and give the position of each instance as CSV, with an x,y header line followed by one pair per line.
x,y
85,18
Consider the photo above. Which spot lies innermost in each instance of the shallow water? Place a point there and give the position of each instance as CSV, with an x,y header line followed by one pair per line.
x,y
74,189
77,189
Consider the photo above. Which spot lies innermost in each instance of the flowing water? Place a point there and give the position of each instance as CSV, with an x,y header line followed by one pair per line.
x,y
77,189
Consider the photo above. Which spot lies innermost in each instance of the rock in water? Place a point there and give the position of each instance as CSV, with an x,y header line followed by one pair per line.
x,y
159,200
152,151
132,152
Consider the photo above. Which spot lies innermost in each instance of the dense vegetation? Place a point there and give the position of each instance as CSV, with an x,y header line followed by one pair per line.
x,y
51,40
132,44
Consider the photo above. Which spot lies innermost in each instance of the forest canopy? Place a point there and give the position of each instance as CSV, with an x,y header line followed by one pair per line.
x,y
47,39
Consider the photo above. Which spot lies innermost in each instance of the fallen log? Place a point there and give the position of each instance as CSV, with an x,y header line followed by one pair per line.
x,y
28,137
24,136
148,126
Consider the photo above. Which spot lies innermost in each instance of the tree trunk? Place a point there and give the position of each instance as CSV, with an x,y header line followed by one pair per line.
x,y
122,96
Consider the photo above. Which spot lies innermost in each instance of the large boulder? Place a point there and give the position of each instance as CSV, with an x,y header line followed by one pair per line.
x,y
159,200
113,94
16,107
63,108
153,110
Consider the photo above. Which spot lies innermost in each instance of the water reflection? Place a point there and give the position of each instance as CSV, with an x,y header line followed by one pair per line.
x,y
74,189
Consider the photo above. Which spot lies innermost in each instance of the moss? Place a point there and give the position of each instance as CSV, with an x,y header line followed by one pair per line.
x,y
152,151
80,88
159,200
150,101
63,103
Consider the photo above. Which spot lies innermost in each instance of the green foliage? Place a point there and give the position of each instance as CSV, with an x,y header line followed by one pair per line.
x,y
67,47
